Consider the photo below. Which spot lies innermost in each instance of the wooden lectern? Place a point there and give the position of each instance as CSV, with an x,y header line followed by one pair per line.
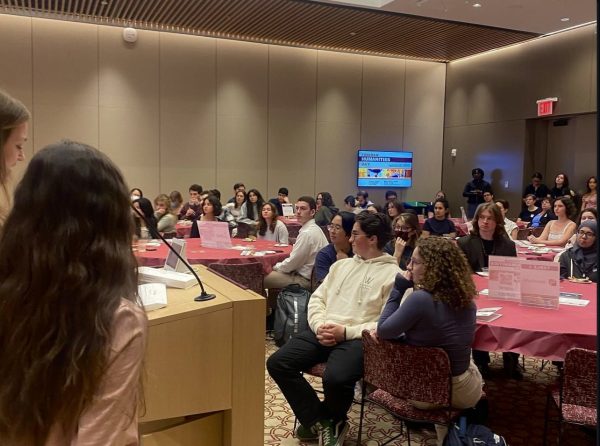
x,y
205,368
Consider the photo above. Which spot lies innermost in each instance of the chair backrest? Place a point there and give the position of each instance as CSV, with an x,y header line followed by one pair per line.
x,y
580,379
523,233
243,230
248,275
537,231
409,372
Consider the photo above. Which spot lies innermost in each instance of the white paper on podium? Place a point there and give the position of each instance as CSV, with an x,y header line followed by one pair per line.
x,y
153,295
214,234
504,278
540,286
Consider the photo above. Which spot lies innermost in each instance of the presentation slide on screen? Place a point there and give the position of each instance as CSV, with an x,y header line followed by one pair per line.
x,y
384,168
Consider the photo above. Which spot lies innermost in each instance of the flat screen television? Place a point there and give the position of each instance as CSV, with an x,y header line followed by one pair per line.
x,y
384,168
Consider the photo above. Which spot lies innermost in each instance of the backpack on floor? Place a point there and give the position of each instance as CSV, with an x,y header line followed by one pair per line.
x,y
459,434
290,313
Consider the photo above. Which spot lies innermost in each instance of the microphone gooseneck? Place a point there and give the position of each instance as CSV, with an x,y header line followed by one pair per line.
x,y
203,295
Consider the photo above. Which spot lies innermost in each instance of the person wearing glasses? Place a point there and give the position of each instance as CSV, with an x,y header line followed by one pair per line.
x,y
349,300
581,260
339,248
407,231
440,312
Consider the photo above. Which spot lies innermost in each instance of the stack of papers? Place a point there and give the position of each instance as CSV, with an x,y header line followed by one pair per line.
x,y
488,314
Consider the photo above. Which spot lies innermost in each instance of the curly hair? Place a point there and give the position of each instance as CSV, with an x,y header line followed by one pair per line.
x,y
447,274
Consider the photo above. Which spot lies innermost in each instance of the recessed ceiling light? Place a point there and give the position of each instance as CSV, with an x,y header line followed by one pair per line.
x,y
476,5
565,19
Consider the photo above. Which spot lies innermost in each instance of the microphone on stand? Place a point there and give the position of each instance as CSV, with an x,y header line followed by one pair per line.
x,y
203,295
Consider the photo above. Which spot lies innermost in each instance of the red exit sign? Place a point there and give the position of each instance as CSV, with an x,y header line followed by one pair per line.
x,y
545,106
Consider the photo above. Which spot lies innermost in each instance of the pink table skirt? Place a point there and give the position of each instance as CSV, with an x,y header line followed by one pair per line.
x,y
538,332
197,254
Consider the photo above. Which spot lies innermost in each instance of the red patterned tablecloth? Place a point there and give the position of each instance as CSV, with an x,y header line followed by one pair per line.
x,y
538,332
197,254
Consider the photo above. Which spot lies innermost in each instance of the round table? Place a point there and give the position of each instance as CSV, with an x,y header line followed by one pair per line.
x,y
197,254
539,332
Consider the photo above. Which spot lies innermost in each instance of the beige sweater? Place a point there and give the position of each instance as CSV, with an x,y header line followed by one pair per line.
x,y
353,294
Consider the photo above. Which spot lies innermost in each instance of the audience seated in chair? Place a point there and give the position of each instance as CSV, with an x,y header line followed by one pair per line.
x,y
440,312
282,197
558,232
488,237
163,212
530,211
349,300
145,228
325,209
250,210
545,215
510,226
581,260
193,208
407,231
339,248
439,224
298,266
269,226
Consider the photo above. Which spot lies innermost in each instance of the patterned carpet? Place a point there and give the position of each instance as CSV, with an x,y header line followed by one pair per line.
x,y
516,411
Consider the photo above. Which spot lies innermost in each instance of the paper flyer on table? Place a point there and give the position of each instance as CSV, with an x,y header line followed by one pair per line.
x,y
504,278
541,284
214,234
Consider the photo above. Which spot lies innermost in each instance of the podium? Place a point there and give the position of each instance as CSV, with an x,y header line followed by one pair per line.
x,y
204,368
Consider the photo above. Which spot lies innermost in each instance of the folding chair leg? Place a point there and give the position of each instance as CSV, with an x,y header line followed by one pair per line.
x,y
408,434
362,411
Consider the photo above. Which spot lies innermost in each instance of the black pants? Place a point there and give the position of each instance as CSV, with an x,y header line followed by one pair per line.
x,y
481,357
344,369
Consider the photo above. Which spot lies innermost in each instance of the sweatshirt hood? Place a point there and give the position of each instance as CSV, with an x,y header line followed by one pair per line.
x,y
382,259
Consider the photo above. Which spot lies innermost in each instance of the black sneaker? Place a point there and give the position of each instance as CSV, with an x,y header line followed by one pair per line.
x,y
307,433
331,434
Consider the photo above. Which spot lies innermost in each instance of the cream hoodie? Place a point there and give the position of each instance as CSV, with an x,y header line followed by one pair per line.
x,y
353,294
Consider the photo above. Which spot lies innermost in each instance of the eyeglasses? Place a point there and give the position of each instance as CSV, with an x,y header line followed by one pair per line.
x,y
415,262
334,228
403,228
586,234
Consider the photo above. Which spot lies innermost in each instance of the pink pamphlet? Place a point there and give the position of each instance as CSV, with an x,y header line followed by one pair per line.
x,y
214,234
504,278
540,286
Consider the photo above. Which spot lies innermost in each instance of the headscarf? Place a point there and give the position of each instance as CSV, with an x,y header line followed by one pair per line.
x,y
586,258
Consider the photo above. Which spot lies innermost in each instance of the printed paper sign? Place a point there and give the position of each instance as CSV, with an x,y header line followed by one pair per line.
x,y
287,209
504,278
540,286
214,234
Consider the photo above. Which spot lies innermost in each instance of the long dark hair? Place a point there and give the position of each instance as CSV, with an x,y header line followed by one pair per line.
x,y
62,277
146,208
249,205
262,223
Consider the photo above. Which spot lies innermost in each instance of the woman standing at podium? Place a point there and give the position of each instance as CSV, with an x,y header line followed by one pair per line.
x,y
72,336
